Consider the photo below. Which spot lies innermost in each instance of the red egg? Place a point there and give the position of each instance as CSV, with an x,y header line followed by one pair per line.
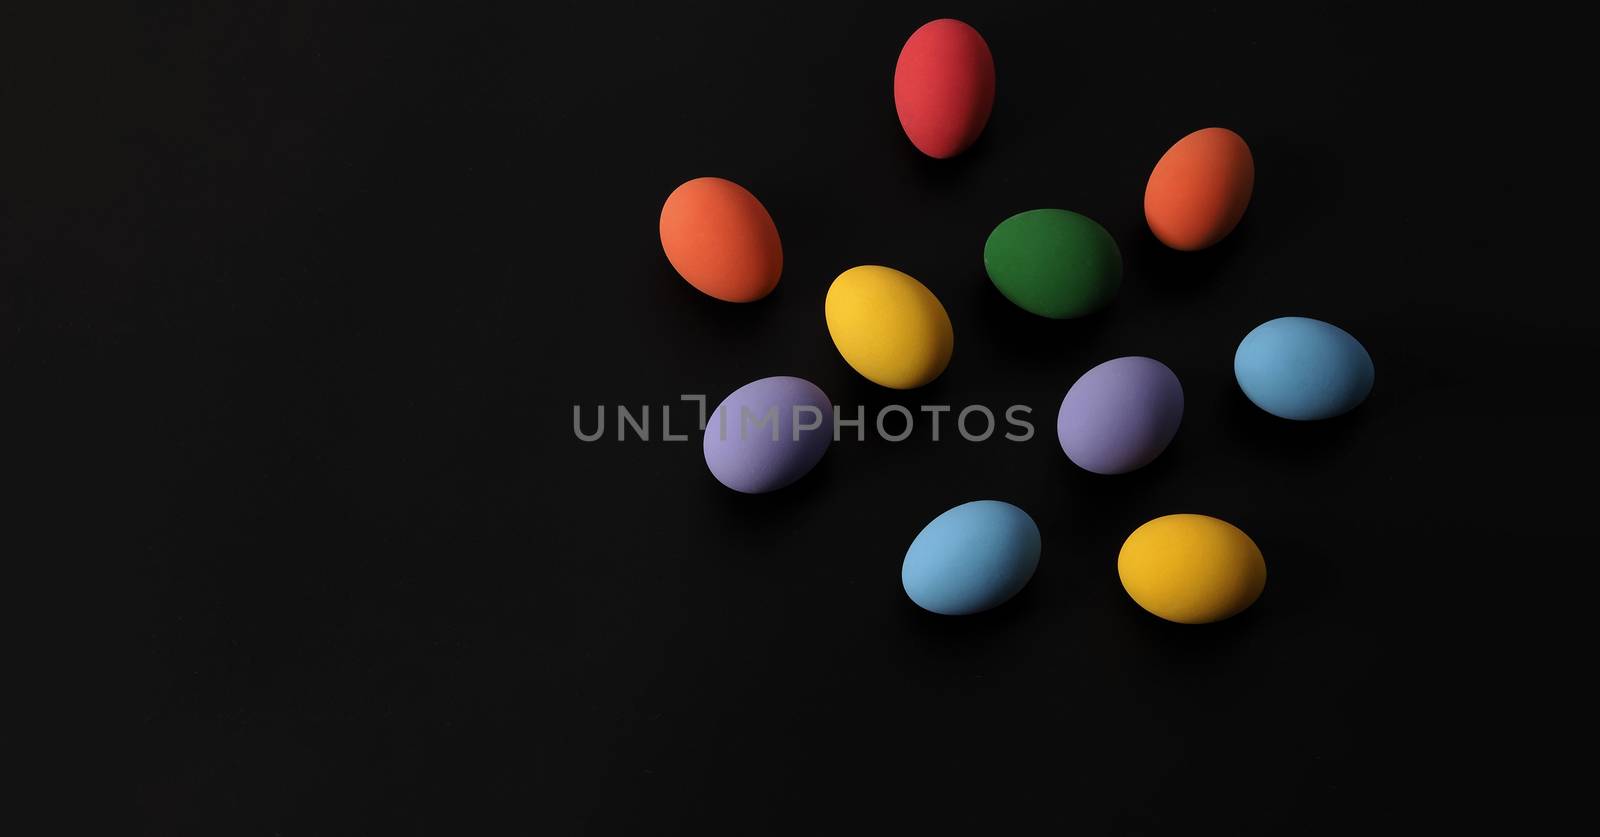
x,y
944,87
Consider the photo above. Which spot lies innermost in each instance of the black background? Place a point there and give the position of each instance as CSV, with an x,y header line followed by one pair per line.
x,y
298,300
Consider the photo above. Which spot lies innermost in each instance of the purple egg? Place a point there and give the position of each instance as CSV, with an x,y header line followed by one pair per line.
x,y
1120,415
768,434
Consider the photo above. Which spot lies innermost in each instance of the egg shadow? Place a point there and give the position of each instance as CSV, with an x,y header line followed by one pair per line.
x,y
1194,649
1303,580
747,515
972,629
741,323
1303,587
1255,429
1018,335
1109,500
943,169
1180,274
1296,184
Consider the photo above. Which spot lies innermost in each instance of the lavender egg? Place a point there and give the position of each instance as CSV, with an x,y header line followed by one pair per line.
x,y
768,434
1120,415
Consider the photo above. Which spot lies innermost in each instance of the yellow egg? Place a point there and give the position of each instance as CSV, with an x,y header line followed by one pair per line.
x,y
1191,568
888,327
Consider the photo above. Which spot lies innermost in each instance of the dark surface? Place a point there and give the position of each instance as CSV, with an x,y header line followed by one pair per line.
x,y
297,304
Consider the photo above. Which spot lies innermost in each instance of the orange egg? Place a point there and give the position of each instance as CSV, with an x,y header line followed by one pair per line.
x,y
721,239
1199,189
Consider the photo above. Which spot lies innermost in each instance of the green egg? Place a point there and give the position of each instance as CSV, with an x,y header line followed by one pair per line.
x,y
1053,263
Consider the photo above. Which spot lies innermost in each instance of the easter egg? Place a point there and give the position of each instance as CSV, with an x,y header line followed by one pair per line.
x,y
1120,415
1053,263
888,327
1303,369
1199,189
944,87
1192,569
721,239
971,558
767,434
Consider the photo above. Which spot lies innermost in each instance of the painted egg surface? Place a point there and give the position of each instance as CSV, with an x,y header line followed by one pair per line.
x,y
1199,189
1192,569
767,434
888,327
971,558
1303,369
944,87
1053,263
1120,415
721,239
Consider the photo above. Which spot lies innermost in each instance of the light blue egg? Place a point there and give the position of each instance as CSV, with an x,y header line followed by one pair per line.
x,y
1303,369
971,558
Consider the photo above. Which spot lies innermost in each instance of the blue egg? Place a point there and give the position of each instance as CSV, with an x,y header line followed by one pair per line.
x,y
971,558
1303,369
